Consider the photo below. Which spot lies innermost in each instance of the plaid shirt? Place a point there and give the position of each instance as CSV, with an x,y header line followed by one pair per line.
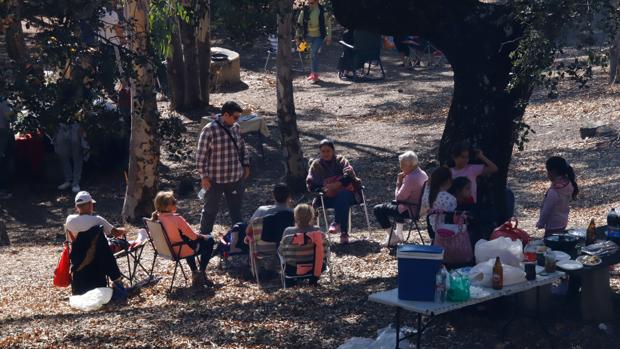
x,y
217,158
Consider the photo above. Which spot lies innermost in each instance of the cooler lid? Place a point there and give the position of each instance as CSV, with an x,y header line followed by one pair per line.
x,y
420,252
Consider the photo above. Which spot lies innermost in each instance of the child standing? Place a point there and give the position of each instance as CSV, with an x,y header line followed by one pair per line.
x,y
555,209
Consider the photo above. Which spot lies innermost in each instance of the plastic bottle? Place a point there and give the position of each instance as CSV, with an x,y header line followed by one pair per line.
x,y
440,285
613,223
201,194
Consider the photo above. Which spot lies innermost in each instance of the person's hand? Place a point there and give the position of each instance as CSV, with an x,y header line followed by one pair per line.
x,y
205,236
401,177
478,154
119,232
206,183
328,40
246,172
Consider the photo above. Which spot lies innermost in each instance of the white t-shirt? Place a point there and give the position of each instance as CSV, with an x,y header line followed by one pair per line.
x,y
77,223
444,201
109,20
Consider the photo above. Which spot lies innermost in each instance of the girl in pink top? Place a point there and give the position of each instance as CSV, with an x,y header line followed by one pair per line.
x,y
555,207
462,168
179,231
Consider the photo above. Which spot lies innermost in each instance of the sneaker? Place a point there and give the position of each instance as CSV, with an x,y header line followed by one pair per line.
x,y
315,77
344,239
207,281
75,188
310,77
119,292
64,186
334,228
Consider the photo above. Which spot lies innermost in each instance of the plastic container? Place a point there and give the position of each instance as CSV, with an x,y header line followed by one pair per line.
x,y
417,268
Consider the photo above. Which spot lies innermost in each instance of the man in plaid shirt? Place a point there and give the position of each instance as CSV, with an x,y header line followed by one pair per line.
x,y
223,165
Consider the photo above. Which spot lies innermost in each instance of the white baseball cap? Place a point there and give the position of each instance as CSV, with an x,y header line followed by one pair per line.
x,y
83,197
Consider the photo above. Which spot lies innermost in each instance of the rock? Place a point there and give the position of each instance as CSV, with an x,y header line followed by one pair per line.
x,y
4,236
597,130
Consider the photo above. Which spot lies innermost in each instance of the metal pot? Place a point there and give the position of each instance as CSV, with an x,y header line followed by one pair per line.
x,y
562,242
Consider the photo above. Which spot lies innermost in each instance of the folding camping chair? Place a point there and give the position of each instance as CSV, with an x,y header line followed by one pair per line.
x,y
266,236
133,255
414,217
364,50
164,248
293,254
272,40
322,212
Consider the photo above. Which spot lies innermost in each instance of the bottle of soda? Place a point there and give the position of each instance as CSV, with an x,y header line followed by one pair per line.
x,y
498,275
591,233
613,221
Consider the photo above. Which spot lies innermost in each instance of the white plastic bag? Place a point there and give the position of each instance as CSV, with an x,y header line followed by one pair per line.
x,y
91,300
482,274
509,252
387,339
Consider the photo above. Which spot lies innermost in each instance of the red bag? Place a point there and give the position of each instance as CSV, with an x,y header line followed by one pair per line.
x,y
62,274
511,231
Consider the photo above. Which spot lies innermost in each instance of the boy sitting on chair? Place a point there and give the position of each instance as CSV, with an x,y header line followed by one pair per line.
x,y
281,196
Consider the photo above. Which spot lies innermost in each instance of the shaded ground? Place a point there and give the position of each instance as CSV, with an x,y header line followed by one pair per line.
x,y
371,123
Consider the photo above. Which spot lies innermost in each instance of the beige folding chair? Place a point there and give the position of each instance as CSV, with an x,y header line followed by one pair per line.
x,y
259,249
164,248
294,254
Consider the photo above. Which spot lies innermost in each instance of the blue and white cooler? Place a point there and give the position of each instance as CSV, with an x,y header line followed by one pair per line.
x,y
417,267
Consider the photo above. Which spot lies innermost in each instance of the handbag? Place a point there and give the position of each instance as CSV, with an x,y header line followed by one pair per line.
x,y
511,231
62,274
454,239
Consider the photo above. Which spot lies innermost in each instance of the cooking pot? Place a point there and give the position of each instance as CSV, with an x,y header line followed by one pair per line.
x,y
562,242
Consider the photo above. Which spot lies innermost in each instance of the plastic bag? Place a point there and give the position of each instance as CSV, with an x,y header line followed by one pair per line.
x,y
482,274
459,287
62,274
387,338
91,300
509,252
357,343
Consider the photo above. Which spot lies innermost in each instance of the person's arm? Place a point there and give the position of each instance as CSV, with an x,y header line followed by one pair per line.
x,y
186,229
547,208
299,32
108,228
328,28
311,179
243,150
489,166
348,173
202,155
404,190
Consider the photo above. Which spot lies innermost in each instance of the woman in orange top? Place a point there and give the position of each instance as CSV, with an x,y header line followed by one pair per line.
x,y
178,230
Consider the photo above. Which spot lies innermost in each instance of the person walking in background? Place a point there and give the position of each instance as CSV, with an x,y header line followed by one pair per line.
x,y
555,207
223,165
5,142
70,144
314,26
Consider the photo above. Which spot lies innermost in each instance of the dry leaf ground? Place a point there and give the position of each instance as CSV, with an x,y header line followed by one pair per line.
x,y
372,123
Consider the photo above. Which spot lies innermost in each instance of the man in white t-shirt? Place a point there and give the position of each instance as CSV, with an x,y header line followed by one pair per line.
x,y
85,218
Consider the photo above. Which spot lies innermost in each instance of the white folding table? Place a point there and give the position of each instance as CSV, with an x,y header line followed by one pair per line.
x,y
430,309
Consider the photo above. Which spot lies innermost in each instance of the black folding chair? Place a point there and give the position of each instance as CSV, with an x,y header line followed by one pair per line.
x,y
133,256
364,50
164,248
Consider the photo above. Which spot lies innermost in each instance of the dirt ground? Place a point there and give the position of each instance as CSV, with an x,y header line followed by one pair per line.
x,y
371,123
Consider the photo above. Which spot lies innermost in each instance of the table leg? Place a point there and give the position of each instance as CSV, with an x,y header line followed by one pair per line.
x,y
397,327
541,322
260,145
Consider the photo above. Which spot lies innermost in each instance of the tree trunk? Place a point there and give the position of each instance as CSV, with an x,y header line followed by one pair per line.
x,y
4,236
175,71
203,41
188,39
614,55
15,44
287,120
142,178
477,40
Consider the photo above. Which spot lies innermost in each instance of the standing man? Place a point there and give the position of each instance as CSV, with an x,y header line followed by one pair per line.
x,y
314,26
6,140
223,165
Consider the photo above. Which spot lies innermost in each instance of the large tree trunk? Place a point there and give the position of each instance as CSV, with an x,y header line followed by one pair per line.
x,y
287,120
203,41
175,71
144,143
614,54
188,39
15,44
477,40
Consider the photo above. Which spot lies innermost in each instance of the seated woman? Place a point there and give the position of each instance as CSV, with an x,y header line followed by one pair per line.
x,y
409,184
178,230
304,218
555,208
333,175
461,167
437,199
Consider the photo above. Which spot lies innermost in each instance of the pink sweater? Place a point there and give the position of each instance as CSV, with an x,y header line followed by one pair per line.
x,y
554,211
176,225
411,189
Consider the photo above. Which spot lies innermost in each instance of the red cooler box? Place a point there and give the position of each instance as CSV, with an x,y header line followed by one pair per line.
x,y
417,267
